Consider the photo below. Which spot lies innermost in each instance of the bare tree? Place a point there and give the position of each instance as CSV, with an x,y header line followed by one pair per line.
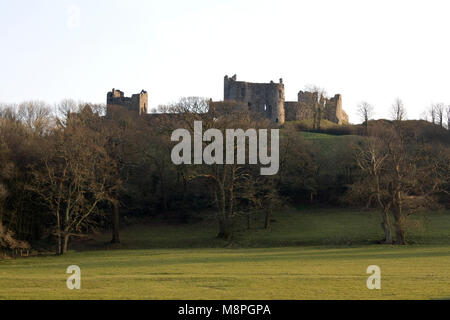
x,y
371,158
36,115
229,184
119,143
403,180
438,110
431,113
365,112
448,117
64,109
398,111
72,181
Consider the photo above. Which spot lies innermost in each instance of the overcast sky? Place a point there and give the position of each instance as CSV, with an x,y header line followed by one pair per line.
x,y
365,50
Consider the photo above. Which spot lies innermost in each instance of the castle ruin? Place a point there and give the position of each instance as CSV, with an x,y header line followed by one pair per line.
x,y
266,99
137,103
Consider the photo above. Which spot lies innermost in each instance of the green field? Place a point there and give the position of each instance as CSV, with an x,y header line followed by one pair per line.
x,y
308,254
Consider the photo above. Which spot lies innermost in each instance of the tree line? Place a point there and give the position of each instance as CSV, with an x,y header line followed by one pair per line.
x,y
69,170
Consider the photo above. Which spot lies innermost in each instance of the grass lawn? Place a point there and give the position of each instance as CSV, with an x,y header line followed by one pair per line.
x,y
308,254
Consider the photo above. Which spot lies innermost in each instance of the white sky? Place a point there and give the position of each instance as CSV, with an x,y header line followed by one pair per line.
x,y
365,50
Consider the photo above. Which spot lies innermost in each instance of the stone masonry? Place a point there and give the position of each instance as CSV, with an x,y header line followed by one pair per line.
x,y
266,99
137,103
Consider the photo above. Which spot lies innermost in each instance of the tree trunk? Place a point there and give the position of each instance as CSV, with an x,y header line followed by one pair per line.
x,y
59,240
63,243
400,232
66,244
319,120
400,236
58,234
387,232
267,220
225,229
315,119
366,125
400,221
116,222
386,225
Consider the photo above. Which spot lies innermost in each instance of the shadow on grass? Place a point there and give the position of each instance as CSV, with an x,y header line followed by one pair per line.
x,y
301,227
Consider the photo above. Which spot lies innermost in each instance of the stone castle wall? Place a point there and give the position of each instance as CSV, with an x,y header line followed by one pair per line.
x,y
308,101
263,98
298,111
137,103
266,99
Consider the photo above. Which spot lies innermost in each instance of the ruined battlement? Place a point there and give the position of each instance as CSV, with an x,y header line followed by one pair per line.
x,y
304,109
137,103
308,97
269,99
264,98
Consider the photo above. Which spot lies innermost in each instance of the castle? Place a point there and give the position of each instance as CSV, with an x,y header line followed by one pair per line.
x,y
138,103
268,99
264,98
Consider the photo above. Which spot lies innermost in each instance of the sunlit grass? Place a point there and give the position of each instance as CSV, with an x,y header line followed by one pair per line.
x,y
308,254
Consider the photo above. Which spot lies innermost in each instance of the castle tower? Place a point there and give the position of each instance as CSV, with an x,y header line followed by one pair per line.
x,y
140,100
138,103
334,111
264,98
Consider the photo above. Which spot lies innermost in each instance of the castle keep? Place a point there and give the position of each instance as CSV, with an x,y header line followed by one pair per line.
x,y
266,99
138,103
